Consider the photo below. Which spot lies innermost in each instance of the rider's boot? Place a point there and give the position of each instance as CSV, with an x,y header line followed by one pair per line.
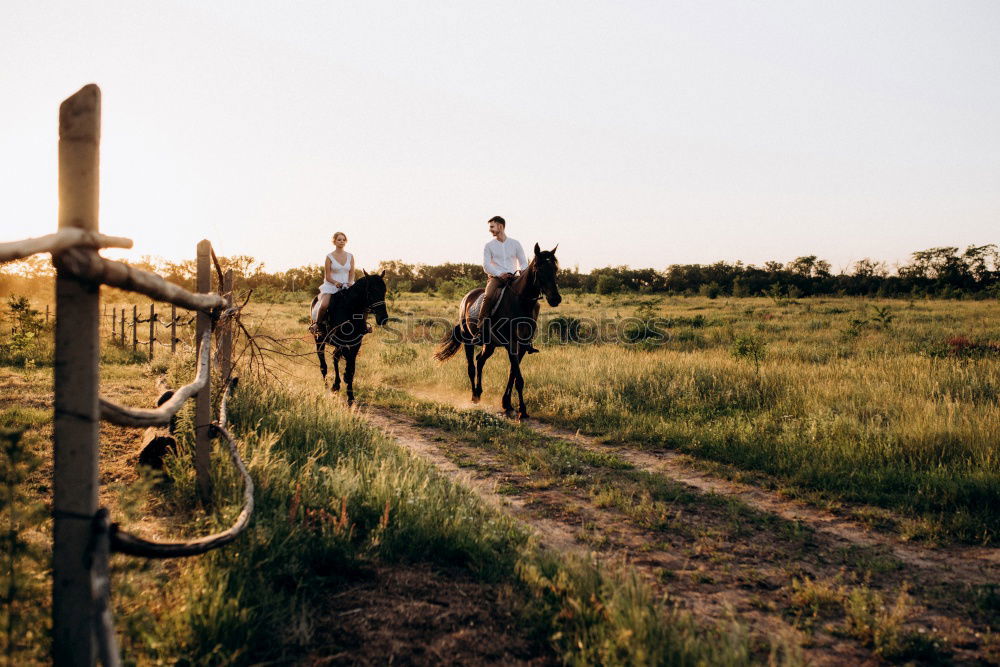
x,y
480,337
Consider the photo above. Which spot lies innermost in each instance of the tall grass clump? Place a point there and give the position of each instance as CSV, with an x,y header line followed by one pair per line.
x,y
602,616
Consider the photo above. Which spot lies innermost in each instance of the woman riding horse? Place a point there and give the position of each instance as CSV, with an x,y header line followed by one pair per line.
x,y
511,326
343,326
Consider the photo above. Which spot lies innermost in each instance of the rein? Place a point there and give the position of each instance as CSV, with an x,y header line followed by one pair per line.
x,y
534,283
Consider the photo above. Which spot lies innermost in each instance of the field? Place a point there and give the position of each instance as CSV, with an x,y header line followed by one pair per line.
x,y
718,480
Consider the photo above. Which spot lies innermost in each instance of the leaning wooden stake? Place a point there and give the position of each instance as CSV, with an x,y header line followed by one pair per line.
x,y
152,328
226,335
203,404
75,474
173,328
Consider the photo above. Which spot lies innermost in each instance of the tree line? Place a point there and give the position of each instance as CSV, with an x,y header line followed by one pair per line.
x,y
945,272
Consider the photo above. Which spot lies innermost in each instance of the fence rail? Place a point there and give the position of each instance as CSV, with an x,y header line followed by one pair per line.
x,y
83,534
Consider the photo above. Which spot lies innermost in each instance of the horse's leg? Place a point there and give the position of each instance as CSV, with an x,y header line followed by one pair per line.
x,y
508,409
351,355
336,369
321,353
519,385
469,353
481,358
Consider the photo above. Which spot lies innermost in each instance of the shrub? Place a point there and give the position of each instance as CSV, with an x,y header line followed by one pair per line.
x,y
456,287
608,284
26,345
749,347
711,290
564,329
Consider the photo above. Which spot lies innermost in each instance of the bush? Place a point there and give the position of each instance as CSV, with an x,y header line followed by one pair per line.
x,y
749,347
26,345
711,290
451,289
564,329
608,284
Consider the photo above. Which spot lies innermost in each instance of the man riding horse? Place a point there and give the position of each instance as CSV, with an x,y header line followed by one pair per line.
x,y
503,257
504,315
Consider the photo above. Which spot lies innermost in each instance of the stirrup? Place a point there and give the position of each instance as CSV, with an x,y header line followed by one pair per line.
x,y
479,338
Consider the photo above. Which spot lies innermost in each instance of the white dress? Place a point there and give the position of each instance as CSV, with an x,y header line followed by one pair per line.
x,y
341,273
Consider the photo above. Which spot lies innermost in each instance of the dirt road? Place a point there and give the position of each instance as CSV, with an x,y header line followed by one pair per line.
x,y
842,593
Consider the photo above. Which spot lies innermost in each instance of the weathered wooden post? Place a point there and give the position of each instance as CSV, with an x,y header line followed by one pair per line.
x,y
77,336
173,328
135,328
203,404
121,338
226,336
114,321
152,328
46,313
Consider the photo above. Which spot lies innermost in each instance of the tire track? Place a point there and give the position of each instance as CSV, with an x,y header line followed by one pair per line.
x,y
957,564
564,521
752,580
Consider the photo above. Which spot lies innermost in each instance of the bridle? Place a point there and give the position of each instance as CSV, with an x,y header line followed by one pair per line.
x,y
534,282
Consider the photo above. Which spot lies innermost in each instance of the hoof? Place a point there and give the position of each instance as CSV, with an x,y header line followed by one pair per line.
x,y
509,414
335,387
475,398
522,417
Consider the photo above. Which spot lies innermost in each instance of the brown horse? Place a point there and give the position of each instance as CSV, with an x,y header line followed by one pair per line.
x,y
511,325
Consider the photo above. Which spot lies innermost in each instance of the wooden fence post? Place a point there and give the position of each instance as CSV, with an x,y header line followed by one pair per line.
x,y
173,328
135,328
77,340
152,328
203,404
226,336
121,338
46,313
114,321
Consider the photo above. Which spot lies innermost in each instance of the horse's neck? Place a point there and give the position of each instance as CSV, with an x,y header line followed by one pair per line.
x,y
524,287
353,302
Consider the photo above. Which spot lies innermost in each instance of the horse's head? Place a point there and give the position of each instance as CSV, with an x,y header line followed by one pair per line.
x,y
374,295
546,273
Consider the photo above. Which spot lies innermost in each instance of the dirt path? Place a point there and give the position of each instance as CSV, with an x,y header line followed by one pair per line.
x,y
734,550
980,565
960,564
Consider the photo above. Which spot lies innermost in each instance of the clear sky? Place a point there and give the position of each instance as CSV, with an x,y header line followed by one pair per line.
x,y
641,133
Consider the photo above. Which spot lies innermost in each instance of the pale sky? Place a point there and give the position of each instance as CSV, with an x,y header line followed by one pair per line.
x,y
640,133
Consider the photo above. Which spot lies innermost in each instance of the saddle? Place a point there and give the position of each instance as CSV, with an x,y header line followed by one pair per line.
x,y
477,305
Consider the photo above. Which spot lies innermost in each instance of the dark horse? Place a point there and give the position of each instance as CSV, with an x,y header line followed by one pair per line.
x,y
344,326
511,326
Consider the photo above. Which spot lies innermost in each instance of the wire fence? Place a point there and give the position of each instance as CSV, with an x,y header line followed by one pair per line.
x,y
84,535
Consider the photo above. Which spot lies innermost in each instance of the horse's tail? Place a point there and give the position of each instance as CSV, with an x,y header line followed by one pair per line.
x,y
450,345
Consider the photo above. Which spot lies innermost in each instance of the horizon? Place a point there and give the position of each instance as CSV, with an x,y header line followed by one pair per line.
x,y
638,135
891,267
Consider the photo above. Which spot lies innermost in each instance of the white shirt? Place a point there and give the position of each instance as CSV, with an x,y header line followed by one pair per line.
x,y
507,257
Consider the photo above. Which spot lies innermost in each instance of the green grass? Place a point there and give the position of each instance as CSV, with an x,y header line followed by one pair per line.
x,y
891,416
334,497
